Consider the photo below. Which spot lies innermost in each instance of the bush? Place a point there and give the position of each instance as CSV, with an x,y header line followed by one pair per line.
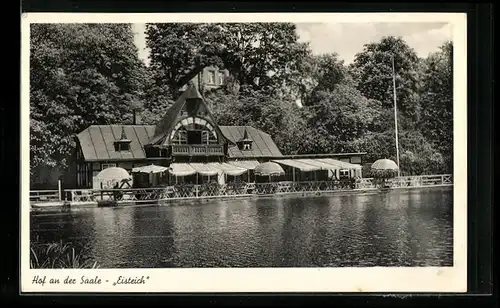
x,y
58,255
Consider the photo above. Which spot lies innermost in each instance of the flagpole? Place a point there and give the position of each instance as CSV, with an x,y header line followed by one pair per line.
x,y
395,114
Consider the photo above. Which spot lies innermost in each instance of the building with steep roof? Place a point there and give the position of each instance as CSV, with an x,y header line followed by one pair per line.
x,y
187,138
187,133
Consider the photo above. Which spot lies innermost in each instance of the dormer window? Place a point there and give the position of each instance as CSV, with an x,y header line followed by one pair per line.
x,y
245,143
122,147
123,144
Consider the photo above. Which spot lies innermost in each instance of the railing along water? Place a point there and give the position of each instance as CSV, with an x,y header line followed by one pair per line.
x,y
212,190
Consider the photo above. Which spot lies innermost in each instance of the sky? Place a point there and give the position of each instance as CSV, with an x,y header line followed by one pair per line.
x,y
347,39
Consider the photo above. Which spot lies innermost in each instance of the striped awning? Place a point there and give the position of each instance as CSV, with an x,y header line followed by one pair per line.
x,y
228,168
341,164
297,164
320,164
181,169
149,169
246,164
205,169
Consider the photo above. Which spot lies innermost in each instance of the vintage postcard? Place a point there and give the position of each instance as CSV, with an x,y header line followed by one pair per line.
x,y
244,152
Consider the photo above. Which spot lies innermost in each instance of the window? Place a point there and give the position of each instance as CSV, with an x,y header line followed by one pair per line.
x,y
180,137
344,173
211,77
193,131
208,137
247,146
205,137
194,137
355,160
123,147
221,79
106,166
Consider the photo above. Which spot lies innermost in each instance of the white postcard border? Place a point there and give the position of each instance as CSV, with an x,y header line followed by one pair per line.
x,y
375,279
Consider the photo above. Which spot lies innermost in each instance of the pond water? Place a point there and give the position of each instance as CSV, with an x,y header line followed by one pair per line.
x,y
397,228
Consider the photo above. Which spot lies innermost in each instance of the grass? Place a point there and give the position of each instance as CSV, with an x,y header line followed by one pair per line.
x,y
58,255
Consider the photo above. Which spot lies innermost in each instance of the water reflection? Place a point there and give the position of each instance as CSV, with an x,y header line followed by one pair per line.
x,y
411,228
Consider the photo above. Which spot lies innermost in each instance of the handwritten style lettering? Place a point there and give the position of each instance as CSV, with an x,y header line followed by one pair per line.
x,y
96,280
39,280
69,280
130,280
87,280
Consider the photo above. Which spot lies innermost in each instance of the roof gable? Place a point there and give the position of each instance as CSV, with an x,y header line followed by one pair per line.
x,y
190,104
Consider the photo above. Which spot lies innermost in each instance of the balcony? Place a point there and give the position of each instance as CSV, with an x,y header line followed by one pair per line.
x,y
197,150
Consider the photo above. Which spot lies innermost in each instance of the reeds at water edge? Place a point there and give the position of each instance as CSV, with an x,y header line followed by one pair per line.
x,y
58,255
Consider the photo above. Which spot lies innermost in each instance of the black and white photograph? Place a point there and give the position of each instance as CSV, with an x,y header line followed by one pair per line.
x,y
320,143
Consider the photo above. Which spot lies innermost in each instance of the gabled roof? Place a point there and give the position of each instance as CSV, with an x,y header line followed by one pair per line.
x,y
193,93
263,144
97,142
168,120
171,117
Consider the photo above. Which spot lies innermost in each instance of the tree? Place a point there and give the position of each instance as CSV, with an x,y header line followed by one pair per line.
x,y
157,98
280,119
372,69
80,74
315,73
261,55
178,51
339,117
416,155
437,102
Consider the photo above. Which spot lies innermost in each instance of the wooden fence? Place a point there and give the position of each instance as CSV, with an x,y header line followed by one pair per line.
x,y
44,195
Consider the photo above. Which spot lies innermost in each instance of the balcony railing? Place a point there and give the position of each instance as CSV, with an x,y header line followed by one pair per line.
x,y
197,150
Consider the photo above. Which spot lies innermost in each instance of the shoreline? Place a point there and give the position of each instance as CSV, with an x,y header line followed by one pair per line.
x,y
205,199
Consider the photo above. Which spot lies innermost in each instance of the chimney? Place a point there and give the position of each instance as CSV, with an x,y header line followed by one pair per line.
x,y
136,116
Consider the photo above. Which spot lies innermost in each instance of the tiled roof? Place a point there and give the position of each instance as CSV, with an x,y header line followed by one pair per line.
x,y
97,142
263,145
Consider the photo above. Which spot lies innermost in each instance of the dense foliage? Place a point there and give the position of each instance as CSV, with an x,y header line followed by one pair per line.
x,y
84,74
80,74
